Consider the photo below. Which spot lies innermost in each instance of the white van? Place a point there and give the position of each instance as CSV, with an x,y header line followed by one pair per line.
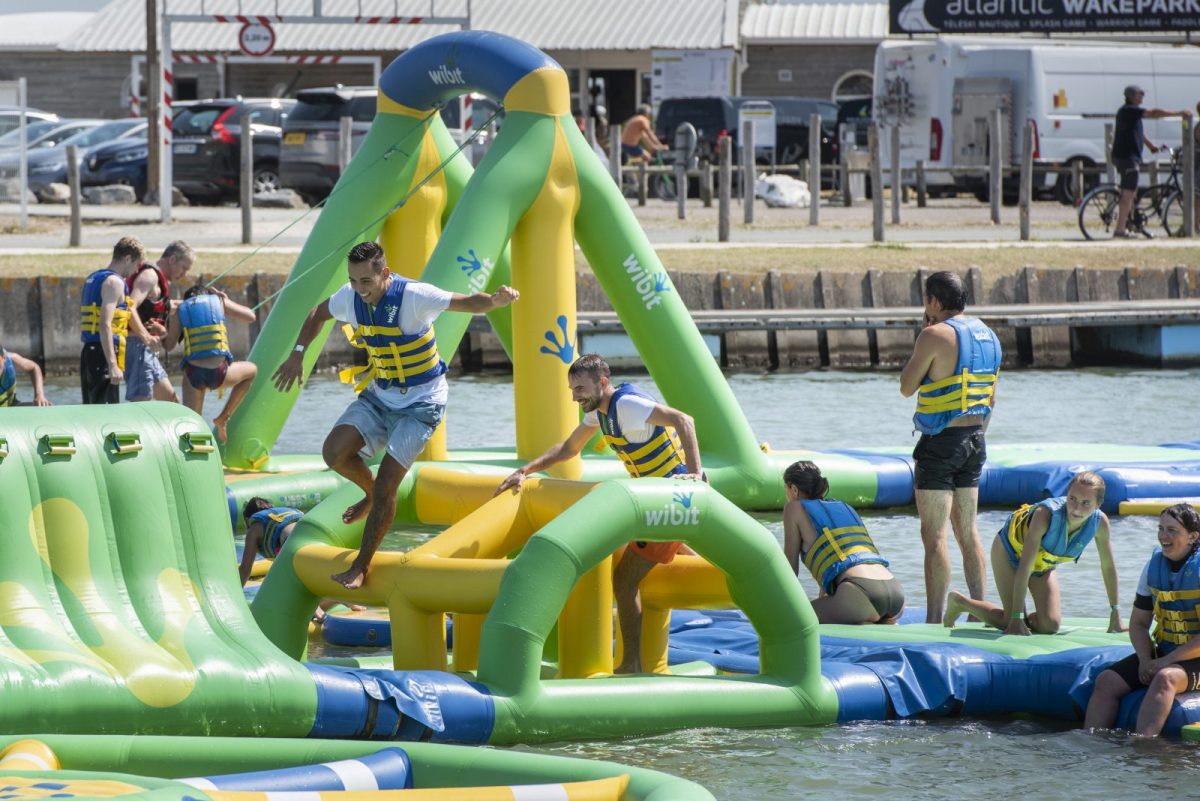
x,y
944,90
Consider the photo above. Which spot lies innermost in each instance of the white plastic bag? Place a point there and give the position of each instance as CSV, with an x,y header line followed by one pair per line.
x,y
782,191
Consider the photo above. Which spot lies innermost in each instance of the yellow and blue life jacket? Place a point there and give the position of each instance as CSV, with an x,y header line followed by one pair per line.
x,y
659,456
394,358
1058,546
8,380
89,314
273,522
1176,599
969,391
842,542
202,318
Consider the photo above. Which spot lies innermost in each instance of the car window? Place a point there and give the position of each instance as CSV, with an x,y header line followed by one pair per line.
x,y
321,108
101,133
196,120
32,131
64,132
706,114
362,109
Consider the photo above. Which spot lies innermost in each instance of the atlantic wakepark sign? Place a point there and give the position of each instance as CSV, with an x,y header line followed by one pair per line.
x,y
1043,16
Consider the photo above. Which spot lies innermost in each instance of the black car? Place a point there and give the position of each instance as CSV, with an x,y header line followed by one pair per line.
x,y
716,116
309,158
208,141
119,162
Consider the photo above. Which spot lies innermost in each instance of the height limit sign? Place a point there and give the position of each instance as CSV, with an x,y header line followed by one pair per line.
x,y
256,39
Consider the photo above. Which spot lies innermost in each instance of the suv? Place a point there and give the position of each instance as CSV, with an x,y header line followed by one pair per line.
x,y
308,161
714,116
206,156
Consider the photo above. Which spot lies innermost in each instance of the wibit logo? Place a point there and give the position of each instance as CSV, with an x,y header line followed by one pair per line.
x,y
679,513
649,285
425,694
478,270
564,350
444,75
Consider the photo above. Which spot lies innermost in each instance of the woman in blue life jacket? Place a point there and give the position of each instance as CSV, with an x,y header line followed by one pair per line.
x,y
1033,541
1166,662
831,540
199,321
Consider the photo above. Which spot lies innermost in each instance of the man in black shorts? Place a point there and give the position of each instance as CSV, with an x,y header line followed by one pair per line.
x,y
954,365
1128,138
106,319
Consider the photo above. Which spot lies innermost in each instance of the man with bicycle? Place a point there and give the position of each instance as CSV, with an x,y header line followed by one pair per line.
x,y
636,130
1128,137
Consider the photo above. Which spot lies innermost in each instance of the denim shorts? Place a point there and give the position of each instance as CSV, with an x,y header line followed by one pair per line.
x,y
404,431
142,370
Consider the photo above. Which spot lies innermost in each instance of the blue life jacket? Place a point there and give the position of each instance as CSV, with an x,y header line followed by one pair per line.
x,y
394,358
969,391
1176,599
273,522
89,314
657,457
8,380
842,542
1057,545
202,318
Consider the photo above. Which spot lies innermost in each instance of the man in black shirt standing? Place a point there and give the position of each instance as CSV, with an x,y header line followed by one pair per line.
x,y
1128,137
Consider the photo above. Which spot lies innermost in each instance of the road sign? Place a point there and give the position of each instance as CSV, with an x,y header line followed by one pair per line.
x,y
256,39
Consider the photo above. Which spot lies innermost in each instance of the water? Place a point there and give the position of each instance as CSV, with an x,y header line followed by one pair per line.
x,y
937,759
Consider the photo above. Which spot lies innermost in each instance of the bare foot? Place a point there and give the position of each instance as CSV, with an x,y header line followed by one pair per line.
x,y
219,427
954,608
357,511
351,579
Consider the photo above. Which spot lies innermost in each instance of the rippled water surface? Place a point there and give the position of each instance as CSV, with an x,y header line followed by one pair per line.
x,y
938,759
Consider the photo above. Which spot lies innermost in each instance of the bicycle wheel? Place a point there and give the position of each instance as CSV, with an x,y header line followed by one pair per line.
x,y
1098,212
1172,217
1152,203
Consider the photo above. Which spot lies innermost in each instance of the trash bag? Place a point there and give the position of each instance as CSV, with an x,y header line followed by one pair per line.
x,y
782,191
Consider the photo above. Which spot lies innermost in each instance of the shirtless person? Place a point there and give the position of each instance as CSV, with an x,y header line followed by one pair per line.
x,y
636,130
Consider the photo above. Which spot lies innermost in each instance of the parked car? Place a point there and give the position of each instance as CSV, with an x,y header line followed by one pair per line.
x,y
120,162
47,133
206,155
308,161
10,117
715,116
48,165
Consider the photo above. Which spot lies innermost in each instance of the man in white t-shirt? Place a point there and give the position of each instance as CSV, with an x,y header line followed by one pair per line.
x,y
629,419
402,390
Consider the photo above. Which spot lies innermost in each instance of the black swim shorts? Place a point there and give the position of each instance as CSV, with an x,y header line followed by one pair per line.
x,y
1127,669
950,460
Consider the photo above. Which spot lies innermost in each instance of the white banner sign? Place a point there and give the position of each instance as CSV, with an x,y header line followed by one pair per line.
x,y
691,73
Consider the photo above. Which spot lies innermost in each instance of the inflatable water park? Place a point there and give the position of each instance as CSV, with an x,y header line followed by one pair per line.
x,y
132,664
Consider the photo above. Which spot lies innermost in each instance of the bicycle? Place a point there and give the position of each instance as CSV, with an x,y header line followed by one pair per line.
x,y
1160,203
661,184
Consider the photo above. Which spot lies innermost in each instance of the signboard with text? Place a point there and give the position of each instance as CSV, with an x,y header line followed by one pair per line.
x,y
691,73
256,39
1043,16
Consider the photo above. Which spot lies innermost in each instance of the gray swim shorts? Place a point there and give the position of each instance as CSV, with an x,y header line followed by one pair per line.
x,y
404,431
142,370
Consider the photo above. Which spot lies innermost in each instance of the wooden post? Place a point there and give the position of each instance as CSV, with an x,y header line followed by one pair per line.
x,y
1026,177
814,169
922,189
896,179
1110,171
614,152
995,163
844,182
876,183
1188,165
681,187
748,172
724,187
706,183
641,179
73,183
345,143
1077,180
247,180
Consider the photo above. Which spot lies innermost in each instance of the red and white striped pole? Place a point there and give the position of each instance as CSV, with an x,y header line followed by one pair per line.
x,y
165,171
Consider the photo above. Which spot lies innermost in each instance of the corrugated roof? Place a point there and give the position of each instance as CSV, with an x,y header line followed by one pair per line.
x,y
547,24
825,21
39,30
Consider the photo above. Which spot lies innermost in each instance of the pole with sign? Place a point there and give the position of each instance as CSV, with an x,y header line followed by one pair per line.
x,y
256,39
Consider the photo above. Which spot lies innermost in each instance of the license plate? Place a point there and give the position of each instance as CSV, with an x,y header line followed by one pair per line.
x,y
294,138
186,148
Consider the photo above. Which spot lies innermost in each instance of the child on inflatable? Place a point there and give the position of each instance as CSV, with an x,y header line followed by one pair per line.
x,y
207,361
10,362
830,538
1167,662
1029,546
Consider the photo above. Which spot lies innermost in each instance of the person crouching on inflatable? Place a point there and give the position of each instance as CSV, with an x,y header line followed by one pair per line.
x,y
267,528
1029,546
207,361
1167,663
829,536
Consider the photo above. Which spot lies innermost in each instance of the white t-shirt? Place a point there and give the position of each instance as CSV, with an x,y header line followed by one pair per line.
x,y
421,305
633,414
